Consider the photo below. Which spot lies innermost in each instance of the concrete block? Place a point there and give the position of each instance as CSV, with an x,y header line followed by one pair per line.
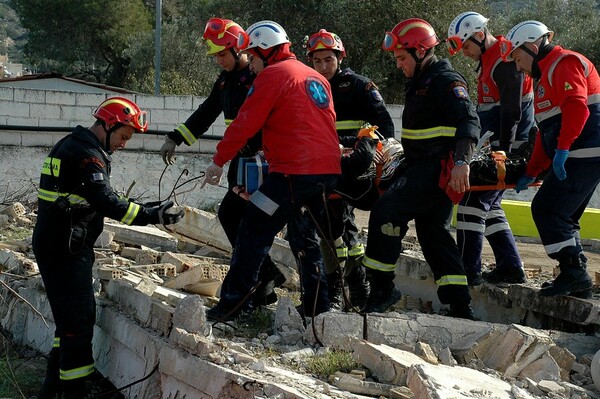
x,y
178,103
89,99
15,108
142,235
135,302
190,315
46,111
36,139
22,121
74,114
29,96
150,102
544,368
165,116
389,365
197,344
336,330
7,93
61,97
161,318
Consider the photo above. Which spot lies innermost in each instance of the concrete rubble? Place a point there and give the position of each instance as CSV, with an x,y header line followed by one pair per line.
x,y
151,321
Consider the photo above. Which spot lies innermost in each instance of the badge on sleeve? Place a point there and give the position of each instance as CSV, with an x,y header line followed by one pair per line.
x,y
377,95
460,92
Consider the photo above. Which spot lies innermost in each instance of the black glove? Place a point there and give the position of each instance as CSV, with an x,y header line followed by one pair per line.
x,y
163,216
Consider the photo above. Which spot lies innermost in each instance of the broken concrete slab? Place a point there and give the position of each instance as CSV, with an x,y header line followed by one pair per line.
x,y
580,311
150,236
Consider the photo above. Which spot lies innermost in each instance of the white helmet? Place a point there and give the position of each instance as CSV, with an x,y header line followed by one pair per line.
x,y
263,34
525,32
463,27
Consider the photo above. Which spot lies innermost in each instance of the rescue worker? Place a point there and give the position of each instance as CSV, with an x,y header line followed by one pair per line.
x,y
439,126
357,101
567,111
505,107
227,96
292,104
74,197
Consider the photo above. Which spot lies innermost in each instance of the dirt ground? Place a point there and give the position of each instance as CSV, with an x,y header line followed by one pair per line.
x,y
531,250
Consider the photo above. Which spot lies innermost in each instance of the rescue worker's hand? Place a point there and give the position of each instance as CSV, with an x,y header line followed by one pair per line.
x,y
168,151
167,216
212,175
459,178
241,191
523,183
558,164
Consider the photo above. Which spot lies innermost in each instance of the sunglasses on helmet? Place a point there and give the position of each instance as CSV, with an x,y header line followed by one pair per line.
x,y
243,40
506,48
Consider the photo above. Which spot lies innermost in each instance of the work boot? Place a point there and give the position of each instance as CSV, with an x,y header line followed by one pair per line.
x,y
51,388
474,279
270,277
572,279
508,275
334,290
358,286
461,311
74,389
383,291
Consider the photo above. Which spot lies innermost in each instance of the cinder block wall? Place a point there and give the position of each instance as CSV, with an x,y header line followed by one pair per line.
x,y
50,108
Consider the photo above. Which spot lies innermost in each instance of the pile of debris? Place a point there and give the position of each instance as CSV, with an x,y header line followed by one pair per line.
x,y
154,287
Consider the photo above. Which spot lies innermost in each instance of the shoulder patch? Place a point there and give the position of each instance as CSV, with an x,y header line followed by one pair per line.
x,y
317,92
377,96
568,86
459,89
250,91
92,160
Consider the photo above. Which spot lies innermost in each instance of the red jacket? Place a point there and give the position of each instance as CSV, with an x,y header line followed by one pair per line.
x,y
292,103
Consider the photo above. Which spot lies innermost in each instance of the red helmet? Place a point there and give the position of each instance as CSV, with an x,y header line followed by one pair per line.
x,y
122,110
413,33
323,40
220,34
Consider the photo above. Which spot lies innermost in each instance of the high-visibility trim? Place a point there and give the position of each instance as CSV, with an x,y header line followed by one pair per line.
x,y
466,226
489,230
341,252
452,279
188,137
55,171
349,124
424,134
374,264
77,373
471,210
585,153
52,196
56,342
131,213
556,247
228,122
496,213
357,250
542,116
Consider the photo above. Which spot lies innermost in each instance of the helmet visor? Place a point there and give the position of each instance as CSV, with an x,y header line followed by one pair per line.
x,y
214,26
506,50
243,41
326,40
390,41
454,44
138,121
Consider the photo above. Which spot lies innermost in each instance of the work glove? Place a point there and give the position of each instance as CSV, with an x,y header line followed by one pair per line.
x,y
165,215
168,151
523,183
558,164
212,175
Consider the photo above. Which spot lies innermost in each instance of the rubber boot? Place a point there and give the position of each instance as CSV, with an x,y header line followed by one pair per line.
x,y
584,294
270,277
358,286
334,290
51,387
573,278
383,291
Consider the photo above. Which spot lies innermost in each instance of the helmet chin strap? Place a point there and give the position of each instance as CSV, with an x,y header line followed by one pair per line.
x,y
236,56
481,45
543,50
109,132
